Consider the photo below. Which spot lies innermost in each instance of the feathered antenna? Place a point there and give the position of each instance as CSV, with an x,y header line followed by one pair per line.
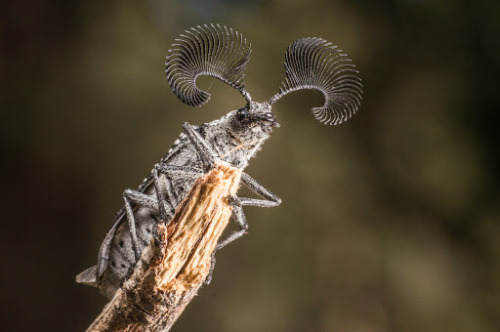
x,y
314,63
211,50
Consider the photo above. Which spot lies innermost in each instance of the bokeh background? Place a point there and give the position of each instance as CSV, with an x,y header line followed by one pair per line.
x,y
389,222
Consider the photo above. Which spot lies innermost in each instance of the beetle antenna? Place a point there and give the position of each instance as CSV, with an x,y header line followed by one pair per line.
x,y
314,63
210,50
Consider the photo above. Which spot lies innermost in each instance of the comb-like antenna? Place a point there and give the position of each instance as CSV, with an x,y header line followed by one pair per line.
x,y
211,50
314,63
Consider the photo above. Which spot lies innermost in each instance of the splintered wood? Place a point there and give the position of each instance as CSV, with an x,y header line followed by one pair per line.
x,y
168,276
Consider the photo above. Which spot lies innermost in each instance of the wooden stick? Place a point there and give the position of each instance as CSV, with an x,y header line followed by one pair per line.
x,y
167,277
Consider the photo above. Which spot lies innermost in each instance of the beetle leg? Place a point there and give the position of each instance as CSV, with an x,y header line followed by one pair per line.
x,y
136,197
164,186
205,152
270,200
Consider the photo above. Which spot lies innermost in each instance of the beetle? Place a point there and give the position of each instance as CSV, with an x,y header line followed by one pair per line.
x,y
222,53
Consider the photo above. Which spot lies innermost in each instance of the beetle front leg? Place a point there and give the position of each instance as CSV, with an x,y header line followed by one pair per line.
x,y
205,152
271,200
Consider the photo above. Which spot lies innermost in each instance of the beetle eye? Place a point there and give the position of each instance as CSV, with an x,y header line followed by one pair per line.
x,y
242,115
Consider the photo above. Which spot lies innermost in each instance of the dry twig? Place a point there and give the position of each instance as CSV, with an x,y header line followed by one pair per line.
x,y
168,276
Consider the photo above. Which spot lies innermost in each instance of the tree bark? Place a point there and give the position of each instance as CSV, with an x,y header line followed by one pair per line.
x,y
169,275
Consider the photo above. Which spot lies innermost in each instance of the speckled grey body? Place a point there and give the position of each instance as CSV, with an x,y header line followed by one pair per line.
x,y
231,141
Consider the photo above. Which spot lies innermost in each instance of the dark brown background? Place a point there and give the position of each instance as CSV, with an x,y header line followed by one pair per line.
x,y
388,223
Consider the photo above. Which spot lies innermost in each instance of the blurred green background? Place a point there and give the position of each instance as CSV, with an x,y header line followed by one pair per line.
x,y
389,222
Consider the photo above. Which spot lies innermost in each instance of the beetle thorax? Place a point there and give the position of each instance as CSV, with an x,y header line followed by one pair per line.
x,y
240,134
